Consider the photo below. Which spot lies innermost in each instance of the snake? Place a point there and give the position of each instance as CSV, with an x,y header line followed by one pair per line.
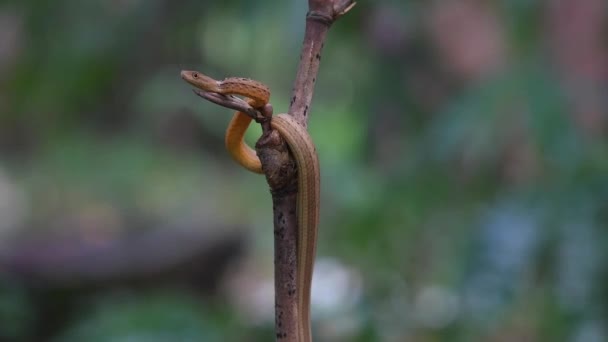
x,y
303,151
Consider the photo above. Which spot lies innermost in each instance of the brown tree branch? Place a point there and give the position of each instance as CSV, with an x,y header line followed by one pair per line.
x,y
280,168
321,14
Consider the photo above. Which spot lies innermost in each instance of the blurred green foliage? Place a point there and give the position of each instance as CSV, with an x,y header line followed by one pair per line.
x,y
463,151
155,317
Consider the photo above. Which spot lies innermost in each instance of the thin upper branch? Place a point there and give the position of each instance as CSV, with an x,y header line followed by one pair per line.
x,y
321,14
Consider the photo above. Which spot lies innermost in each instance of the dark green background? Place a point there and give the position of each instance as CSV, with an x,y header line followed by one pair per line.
x,y
462,144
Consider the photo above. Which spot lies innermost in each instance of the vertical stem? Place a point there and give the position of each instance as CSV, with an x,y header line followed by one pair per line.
x,y
279,167
285,266
310,58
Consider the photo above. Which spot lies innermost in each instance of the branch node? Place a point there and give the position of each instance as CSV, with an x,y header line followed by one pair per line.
x,y
326,12
320,17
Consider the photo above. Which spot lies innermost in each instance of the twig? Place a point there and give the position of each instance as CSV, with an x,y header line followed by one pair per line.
x,y
321,14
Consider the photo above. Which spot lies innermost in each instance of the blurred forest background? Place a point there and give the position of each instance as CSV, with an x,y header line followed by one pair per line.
x,y
464,171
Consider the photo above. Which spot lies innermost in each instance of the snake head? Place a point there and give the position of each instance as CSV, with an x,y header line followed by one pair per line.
x,y
201,81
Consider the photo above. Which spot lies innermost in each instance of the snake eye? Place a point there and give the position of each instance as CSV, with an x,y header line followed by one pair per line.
x,y
195,75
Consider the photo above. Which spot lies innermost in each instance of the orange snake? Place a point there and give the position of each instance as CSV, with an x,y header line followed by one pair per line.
x,y
304,152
